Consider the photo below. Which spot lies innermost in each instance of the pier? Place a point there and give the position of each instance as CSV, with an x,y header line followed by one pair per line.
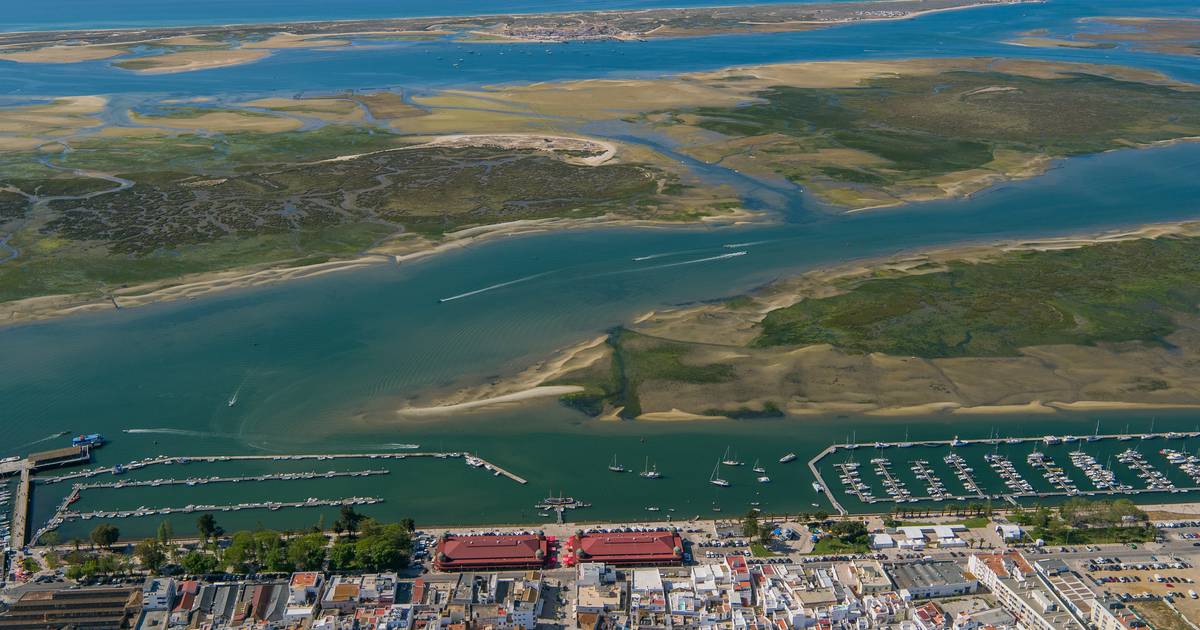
x,y
25,468
261,505
199,481
812,466
176,459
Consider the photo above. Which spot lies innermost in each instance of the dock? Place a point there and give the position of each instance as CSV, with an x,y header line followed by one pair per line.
x,y
25,468
181,459
1104,483
812,466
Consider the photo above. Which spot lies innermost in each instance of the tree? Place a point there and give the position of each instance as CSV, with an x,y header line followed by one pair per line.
x,y
105,535
349,519
409,524
341,555
199,563
750,524
51,539
208,528
150,553
165,532
382,547
307,553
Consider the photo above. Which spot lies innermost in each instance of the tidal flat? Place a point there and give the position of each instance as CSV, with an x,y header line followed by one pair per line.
x,y
150,197
1073,323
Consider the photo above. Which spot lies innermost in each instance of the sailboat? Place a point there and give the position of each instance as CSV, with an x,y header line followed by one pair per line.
x,y
615,467
1095,436
758,467
906,443
730,461
715,479
650,473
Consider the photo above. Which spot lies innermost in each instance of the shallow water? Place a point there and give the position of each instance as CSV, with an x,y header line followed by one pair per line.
x,y
321,364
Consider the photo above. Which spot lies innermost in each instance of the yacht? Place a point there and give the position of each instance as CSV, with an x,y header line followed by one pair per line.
x,y
787,458
1050,440
730,461
957,442
758,467
650,473
715,479
615,467
817,487
764,479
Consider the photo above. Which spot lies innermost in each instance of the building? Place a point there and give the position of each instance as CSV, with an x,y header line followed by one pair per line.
x,y
93,608
1111,614
304,592
1021,591
882,541
944,536
185,603
870,578
657,548
1009,531
930,616
491,552
925,580
158,593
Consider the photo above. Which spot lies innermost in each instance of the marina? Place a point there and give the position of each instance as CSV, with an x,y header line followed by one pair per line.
x,y
1009,476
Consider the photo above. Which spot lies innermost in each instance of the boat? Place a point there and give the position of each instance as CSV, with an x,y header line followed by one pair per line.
x,y
91,439
787,458
758,467
957,442
1050,440
818,487
882,445
653,508
730,461
764,479
650,473
1095,435
615,467
715,479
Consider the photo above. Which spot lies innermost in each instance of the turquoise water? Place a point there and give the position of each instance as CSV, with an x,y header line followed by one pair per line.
x,y
322,364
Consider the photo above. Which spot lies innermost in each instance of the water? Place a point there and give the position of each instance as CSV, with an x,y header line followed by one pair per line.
x,y
321,365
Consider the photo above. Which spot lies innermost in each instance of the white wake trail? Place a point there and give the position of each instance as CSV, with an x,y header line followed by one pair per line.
x,y
494,287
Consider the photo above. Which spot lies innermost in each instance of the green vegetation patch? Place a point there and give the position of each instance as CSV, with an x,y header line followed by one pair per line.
x,y
1109,292
1080,521
927,126
635,360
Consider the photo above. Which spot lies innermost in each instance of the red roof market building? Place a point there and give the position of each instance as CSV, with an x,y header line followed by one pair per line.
x,y
491,552
628,549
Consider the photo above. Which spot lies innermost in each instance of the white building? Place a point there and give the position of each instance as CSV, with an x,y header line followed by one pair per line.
x,y
158,594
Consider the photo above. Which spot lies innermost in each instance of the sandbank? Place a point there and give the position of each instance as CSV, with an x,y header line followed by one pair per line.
x,y
529,394
191,60
62,54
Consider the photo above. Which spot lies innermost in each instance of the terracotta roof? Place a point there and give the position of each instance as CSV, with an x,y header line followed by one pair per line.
x,y
499,550
305,579
638,546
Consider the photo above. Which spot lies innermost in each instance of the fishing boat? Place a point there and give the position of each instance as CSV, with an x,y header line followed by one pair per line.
x,y
730,461
758,467
650,473
715,479
615,467
787,458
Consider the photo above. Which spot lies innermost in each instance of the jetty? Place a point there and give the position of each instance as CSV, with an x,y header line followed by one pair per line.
x,y
816,471
177,459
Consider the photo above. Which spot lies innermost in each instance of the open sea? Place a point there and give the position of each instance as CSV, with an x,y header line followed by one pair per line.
x,y
320,365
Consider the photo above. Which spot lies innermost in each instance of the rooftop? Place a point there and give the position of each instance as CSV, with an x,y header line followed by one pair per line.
x,y
926,574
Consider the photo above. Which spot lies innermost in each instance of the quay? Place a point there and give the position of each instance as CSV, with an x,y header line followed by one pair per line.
x,y
25,468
